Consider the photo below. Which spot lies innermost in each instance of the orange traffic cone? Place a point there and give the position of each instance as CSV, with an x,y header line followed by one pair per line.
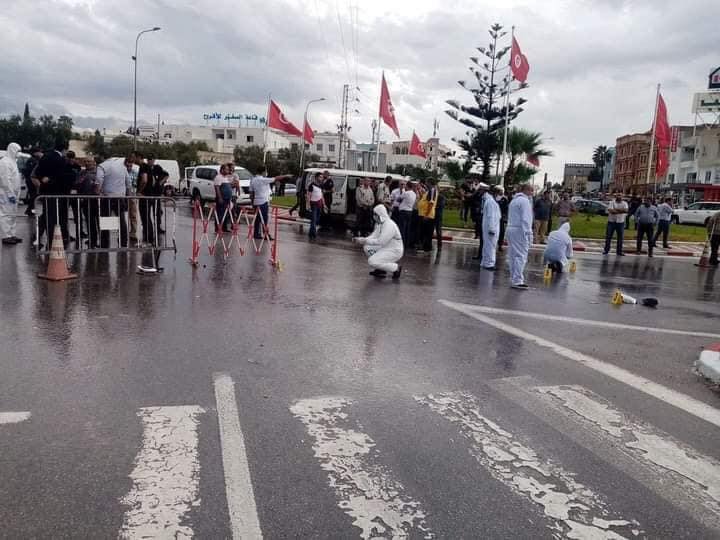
x,y
704,261
57,265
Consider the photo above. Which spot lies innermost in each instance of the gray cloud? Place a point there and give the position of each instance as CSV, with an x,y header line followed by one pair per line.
x,y
594,63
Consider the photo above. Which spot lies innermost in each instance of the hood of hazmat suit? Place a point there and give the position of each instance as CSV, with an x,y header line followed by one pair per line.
x,y
9,174
559,245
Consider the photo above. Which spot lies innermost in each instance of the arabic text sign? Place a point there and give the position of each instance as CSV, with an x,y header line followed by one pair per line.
x,y
234,116
706,102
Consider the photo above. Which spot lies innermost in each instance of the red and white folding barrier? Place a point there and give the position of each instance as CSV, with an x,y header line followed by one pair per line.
x,y
208,230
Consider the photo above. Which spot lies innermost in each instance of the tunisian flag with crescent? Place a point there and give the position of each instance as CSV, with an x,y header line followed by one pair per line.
x,y
309,133
663,137
518,62
416,147
277,120
387,111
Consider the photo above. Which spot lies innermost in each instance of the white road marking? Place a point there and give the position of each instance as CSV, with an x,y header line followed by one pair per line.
x,y
696,471
13,417
607,443
677,399
575,320
244,519
166,475
574,510
366,491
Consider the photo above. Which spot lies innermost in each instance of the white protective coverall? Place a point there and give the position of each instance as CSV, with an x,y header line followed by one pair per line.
x,y
490,230
384,246
559,246
9,190
519,236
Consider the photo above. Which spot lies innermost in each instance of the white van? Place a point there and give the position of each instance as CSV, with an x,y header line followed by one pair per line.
x,y
201,185
172,186
346,182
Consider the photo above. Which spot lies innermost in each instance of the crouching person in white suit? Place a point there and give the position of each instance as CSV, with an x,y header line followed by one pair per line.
x,y
559,249
384,247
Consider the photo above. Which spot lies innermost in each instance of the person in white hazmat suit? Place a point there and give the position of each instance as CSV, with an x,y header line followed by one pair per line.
x,y
9,193
384,247
559,248
490,230
520,234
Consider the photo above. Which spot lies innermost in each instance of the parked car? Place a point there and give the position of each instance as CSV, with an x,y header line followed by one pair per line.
x,y
186,180
201,183
586,206
697,213
172,186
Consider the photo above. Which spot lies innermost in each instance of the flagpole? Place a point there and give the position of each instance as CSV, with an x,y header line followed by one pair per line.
x,y
652,139
497,164
507,111
265,134
377,148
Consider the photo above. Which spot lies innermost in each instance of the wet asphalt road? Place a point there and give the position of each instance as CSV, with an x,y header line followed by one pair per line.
x,y
428,422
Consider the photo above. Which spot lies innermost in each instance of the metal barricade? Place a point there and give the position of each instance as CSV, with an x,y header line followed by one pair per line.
x,y
105,224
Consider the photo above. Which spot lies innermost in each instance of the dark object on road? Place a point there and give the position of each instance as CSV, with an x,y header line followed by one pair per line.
x,y
649,302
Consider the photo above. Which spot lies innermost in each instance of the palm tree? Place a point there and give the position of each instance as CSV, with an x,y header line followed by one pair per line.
x,y
600,157
521,142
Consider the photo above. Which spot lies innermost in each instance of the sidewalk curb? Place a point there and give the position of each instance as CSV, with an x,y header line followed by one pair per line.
x,y
709,363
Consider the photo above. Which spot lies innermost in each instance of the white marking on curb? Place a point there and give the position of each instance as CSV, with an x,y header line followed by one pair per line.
x,y
13,417
677,399
587,322
574,510
367,493
166,475
244,520
695,471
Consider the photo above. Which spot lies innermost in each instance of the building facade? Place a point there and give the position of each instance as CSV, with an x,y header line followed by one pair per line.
x,y
630,174
694,163
576,177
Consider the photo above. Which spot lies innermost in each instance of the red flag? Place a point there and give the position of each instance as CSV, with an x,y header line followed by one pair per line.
x,y
416,147
662,128
309,133
518,62
662,164
278,121
533,160
387,111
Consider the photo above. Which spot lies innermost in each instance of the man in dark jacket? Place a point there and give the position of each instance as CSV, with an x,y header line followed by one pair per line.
x,y
477,206
32,190
504,204
51,178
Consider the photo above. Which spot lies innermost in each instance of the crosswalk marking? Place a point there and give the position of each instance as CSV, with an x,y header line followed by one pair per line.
x,y
376,501
13,417
244,520
584,322
165,476
641,451
668,395
575,510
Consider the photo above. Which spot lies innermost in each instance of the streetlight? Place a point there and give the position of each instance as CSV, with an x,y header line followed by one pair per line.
x,y
154,29
302,150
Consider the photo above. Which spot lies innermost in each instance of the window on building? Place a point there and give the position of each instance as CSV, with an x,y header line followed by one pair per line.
x,y
307,146
708,177
691,177
219,136
250,138
319,147
231,135
331,148
671,178
294,146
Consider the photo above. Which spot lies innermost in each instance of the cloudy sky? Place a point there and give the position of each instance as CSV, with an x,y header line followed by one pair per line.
x,y
594,63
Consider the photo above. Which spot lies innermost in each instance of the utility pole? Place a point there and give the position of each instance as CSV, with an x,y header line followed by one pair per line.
x,y
343,128
372,142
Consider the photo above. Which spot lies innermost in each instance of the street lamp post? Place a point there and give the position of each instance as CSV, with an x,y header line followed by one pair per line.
x,y
302,149
154,29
